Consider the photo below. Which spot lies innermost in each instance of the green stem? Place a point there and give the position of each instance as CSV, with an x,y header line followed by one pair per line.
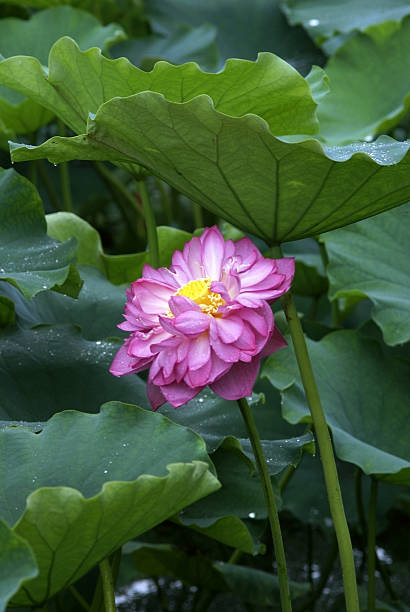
x,y
45,179
326,453
107,585
64,176
334,305
198,215
361,516
310,556
165,201
324,577
270,502
371,547
86,606
117,186
363,526
151,225
235,556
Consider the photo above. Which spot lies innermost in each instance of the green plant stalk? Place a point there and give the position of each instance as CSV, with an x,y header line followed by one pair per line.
x,y
371,547
107,585
64,176
151,225
270,502
324,577
334,305
86,606
45,179
165,201
384,574
118,188
198,215
326,454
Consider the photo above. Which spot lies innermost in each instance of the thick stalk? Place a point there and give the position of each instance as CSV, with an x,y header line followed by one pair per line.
x,y
371,547
270,502
151,225
326,454
107,585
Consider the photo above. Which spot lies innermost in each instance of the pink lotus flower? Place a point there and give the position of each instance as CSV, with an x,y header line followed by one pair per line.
x,y
203,321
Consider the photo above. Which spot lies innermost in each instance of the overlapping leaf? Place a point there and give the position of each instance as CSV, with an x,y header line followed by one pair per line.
x,y
35,37
97,310
118,268
247,583
49,369
29,259
364,392
17,563
362,101
70,521
77,83
214,418
277,190
184,44
324,18
372,258
258,25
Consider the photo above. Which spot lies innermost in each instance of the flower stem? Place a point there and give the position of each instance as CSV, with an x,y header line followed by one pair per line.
x,y
371,547
270,502
326,454
151,225
107,585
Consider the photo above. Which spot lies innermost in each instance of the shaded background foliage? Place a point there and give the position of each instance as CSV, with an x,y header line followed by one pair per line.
x,y
73,236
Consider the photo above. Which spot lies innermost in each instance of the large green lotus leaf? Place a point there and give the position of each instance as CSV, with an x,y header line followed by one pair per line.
x,y
364,393
118,268
182,45
372,259
77,83
243,28
88,483
275,189
98,309
324,18
17,563
35,37
214,419
29,259
365,100
49,369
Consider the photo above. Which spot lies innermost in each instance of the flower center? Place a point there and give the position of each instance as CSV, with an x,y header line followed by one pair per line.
x,y
199,291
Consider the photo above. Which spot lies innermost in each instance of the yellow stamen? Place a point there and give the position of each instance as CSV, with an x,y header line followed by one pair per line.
x,y
199,291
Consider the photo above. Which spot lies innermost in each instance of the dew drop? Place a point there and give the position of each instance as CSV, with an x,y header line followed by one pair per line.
x,y
105,471
368,138
313,23
252,515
